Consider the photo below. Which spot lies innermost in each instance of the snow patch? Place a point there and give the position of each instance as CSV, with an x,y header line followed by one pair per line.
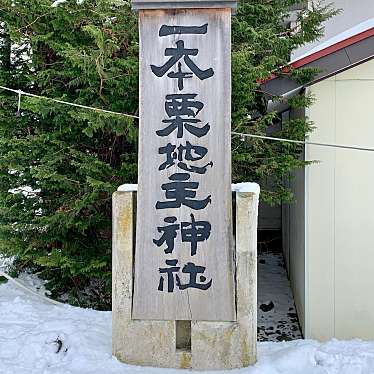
x,y
33,282
5,262
56,3
26,191
39,338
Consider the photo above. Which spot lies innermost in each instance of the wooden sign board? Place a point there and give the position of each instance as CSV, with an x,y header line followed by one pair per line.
x,y
184,246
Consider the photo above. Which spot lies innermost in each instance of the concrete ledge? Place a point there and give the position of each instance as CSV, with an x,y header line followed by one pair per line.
x,y
186,4
238,187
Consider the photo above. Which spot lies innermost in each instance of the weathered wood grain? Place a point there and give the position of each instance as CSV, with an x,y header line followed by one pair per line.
x,y
216,254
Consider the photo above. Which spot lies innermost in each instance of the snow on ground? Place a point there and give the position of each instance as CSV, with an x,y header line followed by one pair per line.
x,y
37,337
277,318
5,262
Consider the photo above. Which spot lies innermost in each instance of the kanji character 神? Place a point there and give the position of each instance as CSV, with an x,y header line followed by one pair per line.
x,y
192,232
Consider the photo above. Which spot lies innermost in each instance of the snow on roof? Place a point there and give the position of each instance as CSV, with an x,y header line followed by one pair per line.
x,y
128,188
353,31
246,187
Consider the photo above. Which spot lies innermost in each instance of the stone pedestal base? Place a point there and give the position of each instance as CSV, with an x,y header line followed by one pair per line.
x,y
208,345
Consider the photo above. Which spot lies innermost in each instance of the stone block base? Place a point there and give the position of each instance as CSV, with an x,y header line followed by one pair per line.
x,y
198,345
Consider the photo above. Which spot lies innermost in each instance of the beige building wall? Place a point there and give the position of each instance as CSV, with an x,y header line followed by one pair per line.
x,y
339,211
293,233
296,256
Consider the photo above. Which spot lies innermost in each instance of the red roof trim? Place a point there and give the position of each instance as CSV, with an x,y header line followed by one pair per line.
x,y
324,52
333,48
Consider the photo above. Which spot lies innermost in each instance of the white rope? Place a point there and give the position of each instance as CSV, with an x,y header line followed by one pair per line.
x,y
29,290
19,103
20,92
342,146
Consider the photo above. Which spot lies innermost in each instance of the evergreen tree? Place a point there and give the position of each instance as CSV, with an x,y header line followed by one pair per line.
x,y
262,44
62,164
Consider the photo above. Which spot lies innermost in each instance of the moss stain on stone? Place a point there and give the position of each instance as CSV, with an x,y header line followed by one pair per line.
x,y
244,352
185,360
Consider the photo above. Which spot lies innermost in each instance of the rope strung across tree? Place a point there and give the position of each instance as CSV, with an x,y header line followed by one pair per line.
x,y
20,93
301,142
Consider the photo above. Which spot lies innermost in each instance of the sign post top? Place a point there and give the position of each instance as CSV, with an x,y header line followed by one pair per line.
x,y
183,4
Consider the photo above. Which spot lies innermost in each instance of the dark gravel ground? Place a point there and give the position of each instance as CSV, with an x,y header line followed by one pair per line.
x,y
277,317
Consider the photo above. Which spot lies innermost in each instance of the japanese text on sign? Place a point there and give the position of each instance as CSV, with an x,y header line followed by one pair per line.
x,y
182,115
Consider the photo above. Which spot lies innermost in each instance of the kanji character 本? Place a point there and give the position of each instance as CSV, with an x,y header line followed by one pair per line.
x,y
182,110
170,273
181,153
193,270
191,232
169,233
180,52
181,192
194,232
